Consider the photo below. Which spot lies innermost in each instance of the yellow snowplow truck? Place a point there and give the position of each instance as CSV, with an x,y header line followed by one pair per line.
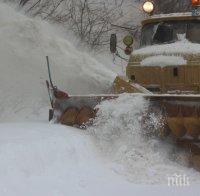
x,y
165,69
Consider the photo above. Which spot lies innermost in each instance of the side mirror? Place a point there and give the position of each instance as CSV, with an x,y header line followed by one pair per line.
x,y
113,43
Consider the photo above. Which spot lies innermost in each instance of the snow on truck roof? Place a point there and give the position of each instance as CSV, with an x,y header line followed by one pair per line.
x,y
163,61
179,47
171,16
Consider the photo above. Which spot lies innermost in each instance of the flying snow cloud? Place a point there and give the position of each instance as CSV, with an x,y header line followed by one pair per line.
x,y
24,44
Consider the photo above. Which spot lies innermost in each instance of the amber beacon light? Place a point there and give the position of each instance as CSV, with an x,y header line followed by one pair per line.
x,y
148,7
196,2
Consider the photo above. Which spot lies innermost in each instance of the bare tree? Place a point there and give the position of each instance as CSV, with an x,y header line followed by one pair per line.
x,y
90,20
23,2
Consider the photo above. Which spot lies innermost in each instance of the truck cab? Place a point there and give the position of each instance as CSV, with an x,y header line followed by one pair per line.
x,y
168,59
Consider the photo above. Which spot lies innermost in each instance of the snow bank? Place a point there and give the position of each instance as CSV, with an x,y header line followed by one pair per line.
x,y
39,159
179,47
161,60
138,155
50,160
24,43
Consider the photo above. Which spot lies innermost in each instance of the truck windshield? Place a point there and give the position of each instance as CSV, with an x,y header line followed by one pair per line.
x,y
167,32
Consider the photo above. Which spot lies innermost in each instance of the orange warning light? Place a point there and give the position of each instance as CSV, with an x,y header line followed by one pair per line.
x,y
196,2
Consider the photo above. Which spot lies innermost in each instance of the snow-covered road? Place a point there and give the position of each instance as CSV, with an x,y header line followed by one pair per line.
x,y
38,159
42,159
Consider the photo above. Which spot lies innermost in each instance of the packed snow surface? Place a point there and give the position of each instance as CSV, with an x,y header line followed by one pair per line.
x,y
163,61
38,159
49,160
116,156
179,47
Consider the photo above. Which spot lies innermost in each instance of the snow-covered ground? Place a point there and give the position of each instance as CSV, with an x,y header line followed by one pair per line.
x,y
41,159
38,159
113,157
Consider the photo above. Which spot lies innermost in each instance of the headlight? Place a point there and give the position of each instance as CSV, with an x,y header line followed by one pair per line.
x,y
148,7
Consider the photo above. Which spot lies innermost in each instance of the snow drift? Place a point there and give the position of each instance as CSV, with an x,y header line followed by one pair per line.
x,y
24,43
37,159
46,160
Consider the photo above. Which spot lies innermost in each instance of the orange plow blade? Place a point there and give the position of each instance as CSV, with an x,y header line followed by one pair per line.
x,y
181,113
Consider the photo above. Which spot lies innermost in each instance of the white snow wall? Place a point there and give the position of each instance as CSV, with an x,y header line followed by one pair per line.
x,y
24,43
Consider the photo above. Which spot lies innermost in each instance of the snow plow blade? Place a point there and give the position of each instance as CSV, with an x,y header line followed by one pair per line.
x,y
181,122
78,110
181,113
